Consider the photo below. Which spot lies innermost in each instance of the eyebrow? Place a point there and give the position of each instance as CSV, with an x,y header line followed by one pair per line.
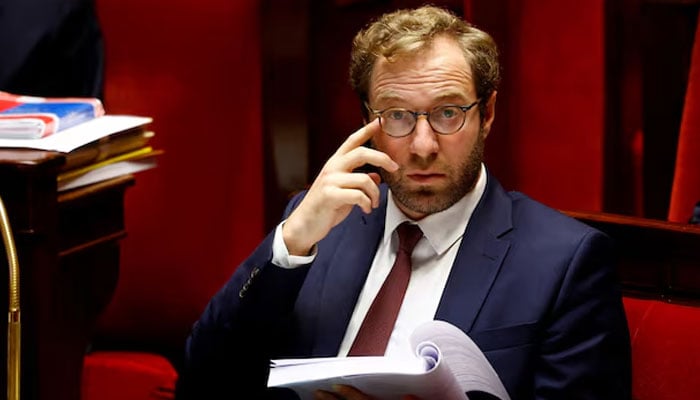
x,y
393,96
389,96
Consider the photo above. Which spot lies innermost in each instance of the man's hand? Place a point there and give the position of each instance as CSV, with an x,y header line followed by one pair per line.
x,y
336,190
344,392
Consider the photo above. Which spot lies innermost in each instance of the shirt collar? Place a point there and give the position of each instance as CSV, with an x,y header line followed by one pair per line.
x,y
439,229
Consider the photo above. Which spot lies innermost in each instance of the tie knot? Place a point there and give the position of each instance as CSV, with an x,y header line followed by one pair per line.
x,y
409,235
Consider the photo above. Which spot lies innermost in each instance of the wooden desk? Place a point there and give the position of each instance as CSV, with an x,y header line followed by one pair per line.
x,y
657,259
68,252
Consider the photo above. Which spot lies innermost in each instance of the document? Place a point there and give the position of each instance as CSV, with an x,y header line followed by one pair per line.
x,y
29,117
125,163
443,363
80,135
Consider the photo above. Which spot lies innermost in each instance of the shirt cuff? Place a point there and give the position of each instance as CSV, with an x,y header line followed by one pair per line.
x,y
280,254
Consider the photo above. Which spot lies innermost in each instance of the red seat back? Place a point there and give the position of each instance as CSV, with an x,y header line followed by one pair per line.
x,y
665,349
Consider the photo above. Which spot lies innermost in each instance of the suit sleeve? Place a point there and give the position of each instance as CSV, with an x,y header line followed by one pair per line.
x,y
585,351
228,351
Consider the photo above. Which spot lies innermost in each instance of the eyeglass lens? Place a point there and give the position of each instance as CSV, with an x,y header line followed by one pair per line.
x,y
400,122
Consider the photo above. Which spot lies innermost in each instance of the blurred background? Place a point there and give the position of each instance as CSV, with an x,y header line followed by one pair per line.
x,y
250,97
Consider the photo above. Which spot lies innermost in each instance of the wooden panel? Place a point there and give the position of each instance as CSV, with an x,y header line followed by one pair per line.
x,y
656,258
68,253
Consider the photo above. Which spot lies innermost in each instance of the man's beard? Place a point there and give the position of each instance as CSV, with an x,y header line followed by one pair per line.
x,y
425,200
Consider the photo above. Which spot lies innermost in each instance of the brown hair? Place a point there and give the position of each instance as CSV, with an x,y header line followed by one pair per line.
x,y
407,32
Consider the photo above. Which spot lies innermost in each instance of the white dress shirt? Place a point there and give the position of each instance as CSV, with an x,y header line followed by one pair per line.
x,y
431,261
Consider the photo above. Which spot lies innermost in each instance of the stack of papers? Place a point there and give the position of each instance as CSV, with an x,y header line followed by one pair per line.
x,y
443,363
70,139
99,149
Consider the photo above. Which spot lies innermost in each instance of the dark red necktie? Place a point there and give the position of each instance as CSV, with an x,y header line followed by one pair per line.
x,y
373,336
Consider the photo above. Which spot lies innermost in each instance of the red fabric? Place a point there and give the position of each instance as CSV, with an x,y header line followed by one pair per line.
x,y
665,350
556,104
468,14
123,375
686,182
635,309
195,68
637,152
547,139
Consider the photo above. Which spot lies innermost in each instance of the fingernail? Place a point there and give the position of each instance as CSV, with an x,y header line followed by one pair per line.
x,y
337,388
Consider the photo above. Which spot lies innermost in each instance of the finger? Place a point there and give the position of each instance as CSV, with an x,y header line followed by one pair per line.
x,y
324,395
359,137
364,155
351,393
349,197
366,183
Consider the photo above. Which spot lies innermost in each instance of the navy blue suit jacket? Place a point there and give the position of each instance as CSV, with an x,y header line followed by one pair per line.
x,y
535,289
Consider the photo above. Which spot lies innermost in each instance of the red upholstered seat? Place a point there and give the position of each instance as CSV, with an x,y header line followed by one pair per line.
x,y
635,309
127,375
665,349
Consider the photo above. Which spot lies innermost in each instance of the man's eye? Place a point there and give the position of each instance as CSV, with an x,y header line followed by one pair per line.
x,y
448,112
396,115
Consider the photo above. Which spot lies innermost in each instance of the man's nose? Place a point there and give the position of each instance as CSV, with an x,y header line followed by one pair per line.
x,y
424,138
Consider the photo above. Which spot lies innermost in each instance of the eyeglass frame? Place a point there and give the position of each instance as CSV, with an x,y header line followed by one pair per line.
x,y
417,114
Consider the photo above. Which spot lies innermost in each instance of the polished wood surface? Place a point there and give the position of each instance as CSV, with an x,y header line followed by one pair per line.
x,y
657,258
68,251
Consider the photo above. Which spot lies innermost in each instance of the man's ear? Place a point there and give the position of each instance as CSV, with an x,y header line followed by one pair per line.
x,y
489,114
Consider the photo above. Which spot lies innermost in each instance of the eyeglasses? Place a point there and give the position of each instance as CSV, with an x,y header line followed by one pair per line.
x,y
400,122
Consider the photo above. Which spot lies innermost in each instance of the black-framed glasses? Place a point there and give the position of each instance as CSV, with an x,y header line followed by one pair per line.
x,y
400,122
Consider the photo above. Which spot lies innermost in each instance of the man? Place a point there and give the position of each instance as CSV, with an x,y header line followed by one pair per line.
x,y
533,288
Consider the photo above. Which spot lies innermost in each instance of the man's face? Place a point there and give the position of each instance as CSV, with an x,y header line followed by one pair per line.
x,y
435,170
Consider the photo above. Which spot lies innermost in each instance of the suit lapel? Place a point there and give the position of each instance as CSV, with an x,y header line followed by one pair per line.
x,y
475,268
345,276
479,258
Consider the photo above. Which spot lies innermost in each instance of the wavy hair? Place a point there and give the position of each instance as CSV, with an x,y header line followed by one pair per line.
x,y
408,32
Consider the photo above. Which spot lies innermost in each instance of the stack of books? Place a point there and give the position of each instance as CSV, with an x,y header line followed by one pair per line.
x,y
123,152
97,146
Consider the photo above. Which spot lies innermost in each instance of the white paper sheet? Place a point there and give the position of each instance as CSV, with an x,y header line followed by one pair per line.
x,y
446,365
79,135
